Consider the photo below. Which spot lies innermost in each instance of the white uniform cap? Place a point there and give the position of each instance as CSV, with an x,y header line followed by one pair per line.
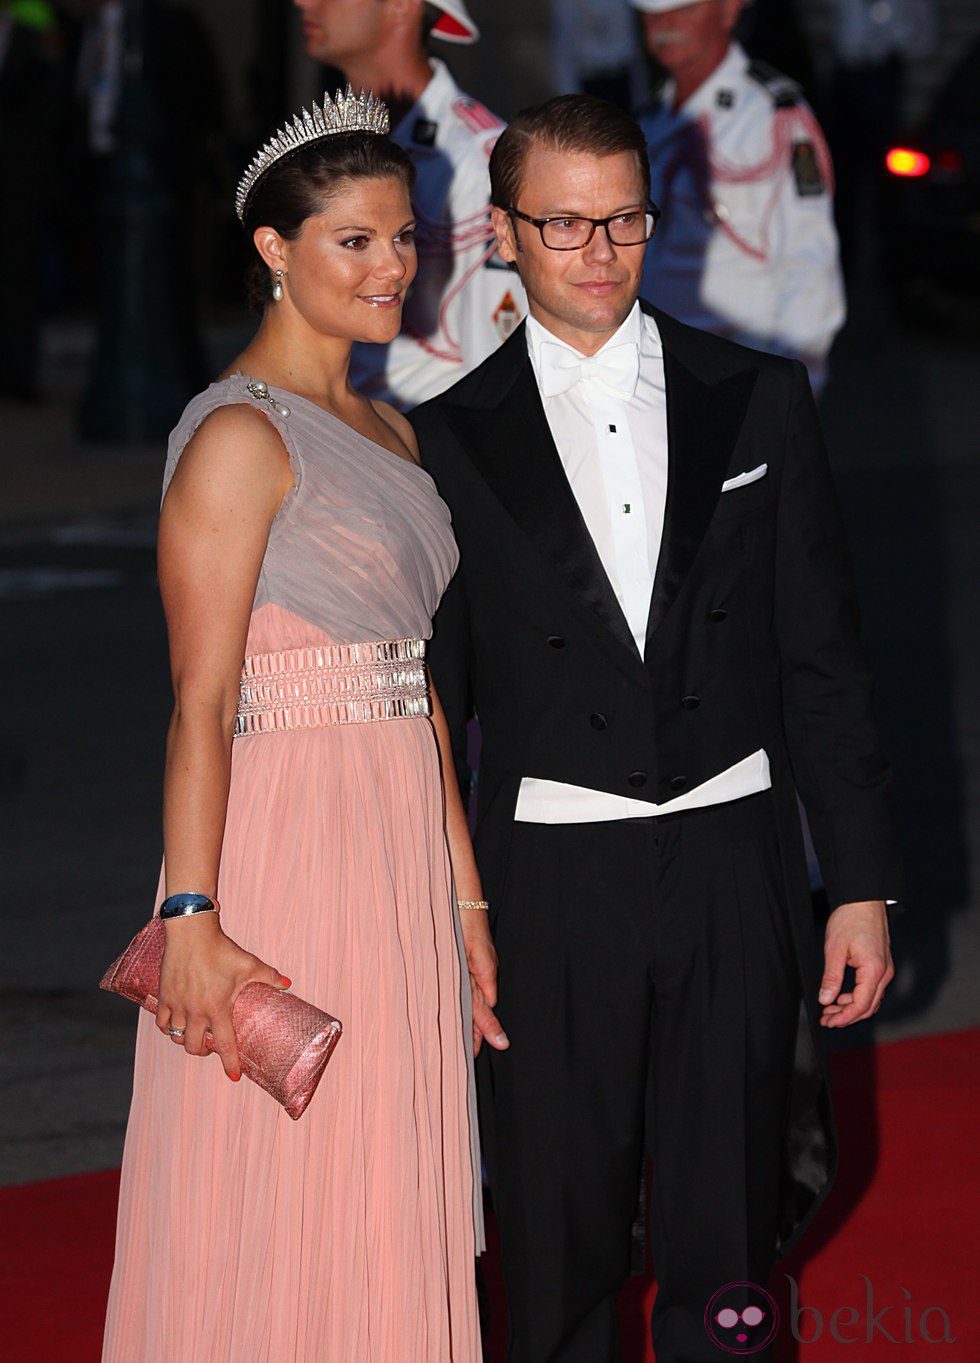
x,y
455,26
662,6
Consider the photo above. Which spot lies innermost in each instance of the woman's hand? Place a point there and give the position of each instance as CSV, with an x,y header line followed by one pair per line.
x,y
481,958
202,974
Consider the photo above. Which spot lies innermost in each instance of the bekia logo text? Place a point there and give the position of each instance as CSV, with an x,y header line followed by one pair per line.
x,y
902,1323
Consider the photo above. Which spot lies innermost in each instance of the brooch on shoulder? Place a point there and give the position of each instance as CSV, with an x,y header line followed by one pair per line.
x,y
260,391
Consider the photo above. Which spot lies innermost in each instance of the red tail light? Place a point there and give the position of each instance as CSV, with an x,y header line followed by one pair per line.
x,y
905,161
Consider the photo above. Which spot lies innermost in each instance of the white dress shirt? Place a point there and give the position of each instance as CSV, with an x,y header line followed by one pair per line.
x,y
613,447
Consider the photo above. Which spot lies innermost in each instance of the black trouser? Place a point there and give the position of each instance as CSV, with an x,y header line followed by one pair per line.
x,y
649,989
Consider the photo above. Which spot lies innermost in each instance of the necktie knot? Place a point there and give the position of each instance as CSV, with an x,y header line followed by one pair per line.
x,y
616,369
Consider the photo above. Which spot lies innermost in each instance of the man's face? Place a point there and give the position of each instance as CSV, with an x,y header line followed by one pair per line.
x,y
581,295
337,31
679,38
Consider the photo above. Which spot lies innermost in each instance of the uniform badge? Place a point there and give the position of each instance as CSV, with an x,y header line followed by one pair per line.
x,y
506,317
725,99
424,132
476,116
806,171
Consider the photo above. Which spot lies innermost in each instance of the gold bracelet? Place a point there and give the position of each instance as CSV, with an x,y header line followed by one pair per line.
x,y
473,904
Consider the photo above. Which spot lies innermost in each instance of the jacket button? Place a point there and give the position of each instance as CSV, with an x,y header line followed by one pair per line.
x,y
691,702
716,616
637,778
556,641
678,782
597,721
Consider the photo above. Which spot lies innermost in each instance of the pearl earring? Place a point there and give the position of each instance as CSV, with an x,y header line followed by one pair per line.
x,y
277,287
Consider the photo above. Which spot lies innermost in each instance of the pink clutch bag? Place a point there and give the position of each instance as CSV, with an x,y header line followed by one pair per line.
x,y
284,1043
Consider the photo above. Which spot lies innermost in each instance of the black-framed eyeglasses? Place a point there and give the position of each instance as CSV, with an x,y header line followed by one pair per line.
x,y
572,234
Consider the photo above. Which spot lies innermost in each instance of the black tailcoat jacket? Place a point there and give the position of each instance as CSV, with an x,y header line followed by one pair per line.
x,y
752,642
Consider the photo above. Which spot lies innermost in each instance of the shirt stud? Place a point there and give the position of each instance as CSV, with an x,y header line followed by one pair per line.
x,y
613,429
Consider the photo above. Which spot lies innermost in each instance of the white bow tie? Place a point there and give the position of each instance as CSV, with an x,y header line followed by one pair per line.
x,y
617,368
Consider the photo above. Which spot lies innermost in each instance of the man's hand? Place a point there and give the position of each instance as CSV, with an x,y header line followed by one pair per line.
x,y
857,935
481,957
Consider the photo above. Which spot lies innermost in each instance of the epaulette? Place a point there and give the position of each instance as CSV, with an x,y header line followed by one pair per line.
x,y
476,116
784,92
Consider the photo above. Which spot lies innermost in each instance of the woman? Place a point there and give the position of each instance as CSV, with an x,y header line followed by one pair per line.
x,y
298,532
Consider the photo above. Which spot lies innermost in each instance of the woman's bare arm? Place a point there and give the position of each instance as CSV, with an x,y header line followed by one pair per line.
x,y
481,956
214,528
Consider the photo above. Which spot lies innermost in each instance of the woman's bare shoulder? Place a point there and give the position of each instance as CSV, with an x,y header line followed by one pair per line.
x,y
235,454
233,422
399,423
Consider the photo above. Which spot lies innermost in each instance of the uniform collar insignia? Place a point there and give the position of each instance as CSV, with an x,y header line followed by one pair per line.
x,y
424,132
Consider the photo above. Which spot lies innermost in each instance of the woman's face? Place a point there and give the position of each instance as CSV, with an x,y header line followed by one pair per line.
x,y
347,273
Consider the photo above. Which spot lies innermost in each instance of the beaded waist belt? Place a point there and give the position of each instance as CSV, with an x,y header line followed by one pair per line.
x,y
304,688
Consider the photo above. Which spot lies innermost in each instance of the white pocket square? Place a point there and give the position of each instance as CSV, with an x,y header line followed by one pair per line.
x,y
742,479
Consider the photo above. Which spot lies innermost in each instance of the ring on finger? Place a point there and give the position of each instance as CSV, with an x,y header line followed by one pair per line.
x,y
176,1032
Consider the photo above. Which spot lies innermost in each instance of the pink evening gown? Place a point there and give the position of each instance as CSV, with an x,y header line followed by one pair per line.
x,y
348,1236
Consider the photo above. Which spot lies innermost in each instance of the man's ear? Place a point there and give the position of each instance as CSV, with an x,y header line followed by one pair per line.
x,y
507,243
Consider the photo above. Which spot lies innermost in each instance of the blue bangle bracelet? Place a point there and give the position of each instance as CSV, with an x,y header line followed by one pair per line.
x,y
183,905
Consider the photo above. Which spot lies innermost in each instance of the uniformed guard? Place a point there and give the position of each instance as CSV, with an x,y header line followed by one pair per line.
x,y
747,247
465,300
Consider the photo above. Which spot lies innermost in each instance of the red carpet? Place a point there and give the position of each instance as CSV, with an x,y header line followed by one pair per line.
x,y
904,1213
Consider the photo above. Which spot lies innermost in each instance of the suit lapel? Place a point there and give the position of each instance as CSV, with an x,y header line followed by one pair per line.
x,y
504,429
515,452
703,424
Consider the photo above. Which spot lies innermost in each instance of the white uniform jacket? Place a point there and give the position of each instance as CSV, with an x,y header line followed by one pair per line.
x,y
465,300
747,246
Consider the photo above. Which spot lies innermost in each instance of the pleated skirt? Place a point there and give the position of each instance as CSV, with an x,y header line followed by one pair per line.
x,y
347,1236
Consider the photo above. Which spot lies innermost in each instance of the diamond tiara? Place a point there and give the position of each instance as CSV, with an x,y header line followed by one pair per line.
x,y
345,113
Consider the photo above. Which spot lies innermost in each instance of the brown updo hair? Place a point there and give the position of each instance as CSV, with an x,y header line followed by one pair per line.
x,y
566,123
301,185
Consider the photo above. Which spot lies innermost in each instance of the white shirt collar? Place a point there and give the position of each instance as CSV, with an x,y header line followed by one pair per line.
x,y
637,326
726,75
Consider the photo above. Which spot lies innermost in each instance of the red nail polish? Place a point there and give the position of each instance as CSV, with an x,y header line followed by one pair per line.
x,y
286,982
235,1078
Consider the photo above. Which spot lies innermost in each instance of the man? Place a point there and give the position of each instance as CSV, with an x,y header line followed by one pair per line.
x,y
464,301
741,170
188,164
654,616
